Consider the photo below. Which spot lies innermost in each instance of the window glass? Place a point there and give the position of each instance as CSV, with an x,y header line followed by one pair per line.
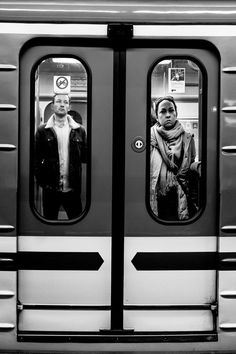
x,y
60,138
175,139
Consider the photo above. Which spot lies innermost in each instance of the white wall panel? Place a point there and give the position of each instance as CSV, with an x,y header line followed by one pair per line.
x,y
79,287
63,320
197,320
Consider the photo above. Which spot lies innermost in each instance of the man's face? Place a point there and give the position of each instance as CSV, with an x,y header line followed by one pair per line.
x,y
167,114
61,105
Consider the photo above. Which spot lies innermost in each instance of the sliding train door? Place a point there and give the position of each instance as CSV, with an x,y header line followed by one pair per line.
x,y
64,262
120,266
170,260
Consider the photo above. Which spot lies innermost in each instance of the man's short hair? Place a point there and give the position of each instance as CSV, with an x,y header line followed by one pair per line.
x,y
57,94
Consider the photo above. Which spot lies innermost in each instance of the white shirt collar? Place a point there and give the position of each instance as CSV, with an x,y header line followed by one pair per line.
x,y
72,123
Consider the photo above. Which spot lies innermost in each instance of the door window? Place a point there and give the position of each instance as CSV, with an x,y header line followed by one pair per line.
x,y
60,138
175,139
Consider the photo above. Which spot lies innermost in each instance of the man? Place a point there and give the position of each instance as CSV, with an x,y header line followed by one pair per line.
x,y
60,148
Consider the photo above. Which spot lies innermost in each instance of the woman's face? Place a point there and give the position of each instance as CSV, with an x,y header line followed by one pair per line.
x,y
167,115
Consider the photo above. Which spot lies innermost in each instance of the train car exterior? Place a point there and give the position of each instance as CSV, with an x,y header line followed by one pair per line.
x,y
118,275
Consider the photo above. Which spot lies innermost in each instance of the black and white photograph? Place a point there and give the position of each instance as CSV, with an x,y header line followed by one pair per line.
x,y
118,177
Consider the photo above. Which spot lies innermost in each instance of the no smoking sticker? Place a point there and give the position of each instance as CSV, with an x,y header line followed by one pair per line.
x,y
62,84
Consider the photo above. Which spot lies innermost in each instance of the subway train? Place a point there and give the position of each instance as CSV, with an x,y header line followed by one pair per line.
x,y
118,276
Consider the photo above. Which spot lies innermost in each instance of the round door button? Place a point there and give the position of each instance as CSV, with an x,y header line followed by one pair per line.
x,y
138,144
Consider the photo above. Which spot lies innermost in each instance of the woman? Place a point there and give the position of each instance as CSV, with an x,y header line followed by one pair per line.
x,y
172,157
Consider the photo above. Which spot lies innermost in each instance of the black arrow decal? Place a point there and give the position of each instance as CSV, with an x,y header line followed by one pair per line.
x,y
59,260
175,261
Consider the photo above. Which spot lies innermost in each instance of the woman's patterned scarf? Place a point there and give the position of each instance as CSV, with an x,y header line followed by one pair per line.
x,y
170,145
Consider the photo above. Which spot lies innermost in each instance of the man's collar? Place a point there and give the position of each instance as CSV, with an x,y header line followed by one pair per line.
x,y
72,123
